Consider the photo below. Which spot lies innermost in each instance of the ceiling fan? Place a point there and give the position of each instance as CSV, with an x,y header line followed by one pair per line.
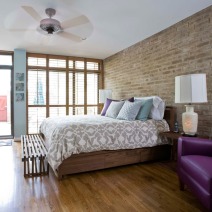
x,y
51,26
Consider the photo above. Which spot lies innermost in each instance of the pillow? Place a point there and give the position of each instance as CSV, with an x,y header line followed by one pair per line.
x,y
129,110
158,113
107,104
113,109
130,99
158,107
146,106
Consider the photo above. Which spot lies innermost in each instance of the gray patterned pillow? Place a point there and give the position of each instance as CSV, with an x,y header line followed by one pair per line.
x,y
113,109
129,110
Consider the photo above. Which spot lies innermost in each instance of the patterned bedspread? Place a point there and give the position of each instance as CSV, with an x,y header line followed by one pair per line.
x,y
76,134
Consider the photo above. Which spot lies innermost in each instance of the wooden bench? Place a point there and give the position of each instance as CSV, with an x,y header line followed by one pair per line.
x,y
34,154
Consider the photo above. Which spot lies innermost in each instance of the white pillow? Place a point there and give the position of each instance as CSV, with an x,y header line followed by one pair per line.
x,y
158,107
113,109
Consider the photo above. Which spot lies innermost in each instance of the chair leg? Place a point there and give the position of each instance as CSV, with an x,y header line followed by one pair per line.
x,y
182,185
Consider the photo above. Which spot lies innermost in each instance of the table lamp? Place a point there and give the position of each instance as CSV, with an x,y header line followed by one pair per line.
x,y
104,94
190,89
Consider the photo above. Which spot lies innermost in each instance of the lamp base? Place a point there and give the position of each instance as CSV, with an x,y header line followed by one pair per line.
x,y
188,135
189,120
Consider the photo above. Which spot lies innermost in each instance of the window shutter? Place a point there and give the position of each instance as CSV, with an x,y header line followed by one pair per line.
x,y
35,116
57,88
36,87
71,90
57,111
79,88
92,88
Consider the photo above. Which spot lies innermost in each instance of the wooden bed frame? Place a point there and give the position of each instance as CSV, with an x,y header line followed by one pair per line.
x,y
84,162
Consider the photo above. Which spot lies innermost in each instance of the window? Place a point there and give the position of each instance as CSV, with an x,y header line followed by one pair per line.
x,y
6,60
59,86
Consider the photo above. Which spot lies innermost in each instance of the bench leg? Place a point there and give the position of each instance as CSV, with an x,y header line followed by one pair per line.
x,y
24,167
33,161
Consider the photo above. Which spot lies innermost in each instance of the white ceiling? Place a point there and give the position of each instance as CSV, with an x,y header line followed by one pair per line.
x,y
114,24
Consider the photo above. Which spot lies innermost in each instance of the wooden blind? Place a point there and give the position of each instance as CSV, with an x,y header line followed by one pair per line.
x,y
92,66
79,65
79,88
92,88
36,87
57,111
34,61
6,60
57,63
35,116
57,88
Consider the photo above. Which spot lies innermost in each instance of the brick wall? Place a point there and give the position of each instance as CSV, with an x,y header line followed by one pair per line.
x,y
150,66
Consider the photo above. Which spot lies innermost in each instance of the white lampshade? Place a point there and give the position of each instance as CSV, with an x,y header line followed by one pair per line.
x,y
190,88
104,94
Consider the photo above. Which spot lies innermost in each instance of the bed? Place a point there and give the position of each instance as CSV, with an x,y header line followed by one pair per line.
x,y
66,156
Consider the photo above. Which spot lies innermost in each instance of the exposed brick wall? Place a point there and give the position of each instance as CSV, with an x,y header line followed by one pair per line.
x,y
150,66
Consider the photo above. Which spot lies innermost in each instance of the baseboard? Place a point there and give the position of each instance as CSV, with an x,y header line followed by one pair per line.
x,y
17,139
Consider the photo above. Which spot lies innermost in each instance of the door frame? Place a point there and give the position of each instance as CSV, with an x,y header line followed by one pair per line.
x,y
10,67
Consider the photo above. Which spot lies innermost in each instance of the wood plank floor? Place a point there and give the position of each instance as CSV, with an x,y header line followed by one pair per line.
x,y
142,187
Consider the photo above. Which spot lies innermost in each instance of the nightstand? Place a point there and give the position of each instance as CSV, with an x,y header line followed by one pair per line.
x,y
172,137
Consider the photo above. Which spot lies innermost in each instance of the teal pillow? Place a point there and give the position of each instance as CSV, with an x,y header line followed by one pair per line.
x,y
145,109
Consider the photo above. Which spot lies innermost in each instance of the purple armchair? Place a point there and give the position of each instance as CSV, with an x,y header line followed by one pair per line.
x,y
195,168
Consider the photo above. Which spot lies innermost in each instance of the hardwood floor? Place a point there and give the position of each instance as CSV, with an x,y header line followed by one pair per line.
x,y
142,187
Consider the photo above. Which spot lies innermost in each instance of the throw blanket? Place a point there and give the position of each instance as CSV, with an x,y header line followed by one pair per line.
x,y
88,133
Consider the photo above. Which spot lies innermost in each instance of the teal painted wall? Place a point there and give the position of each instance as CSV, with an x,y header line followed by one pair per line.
x,y
19,106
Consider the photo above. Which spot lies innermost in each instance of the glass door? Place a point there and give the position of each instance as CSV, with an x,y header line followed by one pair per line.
x,y
5,103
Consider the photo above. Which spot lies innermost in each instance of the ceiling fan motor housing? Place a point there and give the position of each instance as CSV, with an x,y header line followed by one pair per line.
x,y
50,25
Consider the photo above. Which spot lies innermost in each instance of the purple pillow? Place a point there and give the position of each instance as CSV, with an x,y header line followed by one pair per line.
x,y
107,104
131,99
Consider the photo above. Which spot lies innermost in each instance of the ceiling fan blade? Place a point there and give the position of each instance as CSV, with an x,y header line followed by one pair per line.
x,y
70,36
32,13
20,30
74,22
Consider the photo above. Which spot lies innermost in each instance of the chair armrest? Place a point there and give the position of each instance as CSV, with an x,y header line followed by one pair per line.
x,y
194,146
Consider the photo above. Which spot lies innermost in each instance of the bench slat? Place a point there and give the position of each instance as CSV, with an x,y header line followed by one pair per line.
x,y
28,146
35,153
